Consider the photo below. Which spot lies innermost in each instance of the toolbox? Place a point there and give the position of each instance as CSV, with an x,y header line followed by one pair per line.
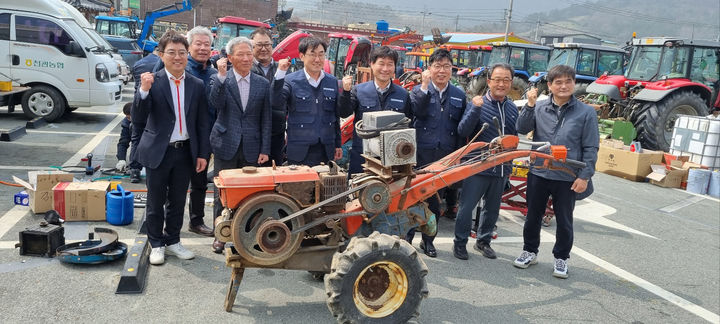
x,y
41,240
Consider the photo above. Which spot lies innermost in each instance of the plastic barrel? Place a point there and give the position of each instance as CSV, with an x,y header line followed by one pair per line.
x,y
120,207
714,187
698,180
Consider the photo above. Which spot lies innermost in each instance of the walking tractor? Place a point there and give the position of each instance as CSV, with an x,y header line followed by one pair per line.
x,y
314,219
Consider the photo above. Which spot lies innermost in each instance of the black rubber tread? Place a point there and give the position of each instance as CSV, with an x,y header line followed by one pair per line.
x,y
650,121
56,96
362,252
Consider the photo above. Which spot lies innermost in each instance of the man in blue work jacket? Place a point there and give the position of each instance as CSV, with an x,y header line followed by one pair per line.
x,y
490,183
376,95
310,97
437,107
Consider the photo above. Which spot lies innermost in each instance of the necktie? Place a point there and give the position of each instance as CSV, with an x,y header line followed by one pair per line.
x,y
177,87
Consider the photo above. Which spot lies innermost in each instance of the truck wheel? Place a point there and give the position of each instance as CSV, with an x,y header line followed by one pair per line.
x,y
655,124
43,101
518,88
378,279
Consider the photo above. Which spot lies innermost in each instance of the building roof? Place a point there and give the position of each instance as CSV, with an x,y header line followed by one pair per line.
x,y
90,5
467,37
573,34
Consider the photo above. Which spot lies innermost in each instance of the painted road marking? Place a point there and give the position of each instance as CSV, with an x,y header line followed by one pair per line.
x,y
12,216
595,212
24,167
697,194
67,133
640,282
682,204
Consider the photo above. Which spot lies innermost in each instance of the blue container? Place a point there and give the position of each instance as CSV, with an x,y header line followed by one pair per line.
x,y
698,181
120,206
382,26
714,187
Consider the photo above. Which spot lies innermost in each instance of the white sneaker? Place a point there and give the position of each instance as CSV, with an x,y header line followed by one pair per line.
x,y
561,269
525,260
180,251
157,255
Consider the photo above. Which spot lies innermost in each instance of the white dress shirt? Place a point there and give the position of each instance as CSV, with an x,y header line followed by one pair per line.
x,y
180,132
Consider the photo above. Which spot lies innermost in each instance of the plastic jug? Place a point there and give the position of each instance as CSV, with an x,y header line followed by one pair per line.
x,y
120,206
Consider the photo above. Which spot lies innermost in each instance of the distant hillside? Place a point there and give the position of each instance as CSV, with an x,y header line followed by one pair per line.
x,y
616,20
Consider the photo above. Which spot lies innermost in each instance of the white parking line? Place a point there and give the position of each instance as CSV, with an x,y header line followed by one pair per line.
x,y
682,204
66,133
11,217
24,167
640,282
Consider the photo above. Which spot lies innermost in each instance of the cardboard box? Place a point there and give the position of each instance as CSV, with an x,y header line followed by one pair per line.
x,y
39,188
625,164
663,177
618,144
81,201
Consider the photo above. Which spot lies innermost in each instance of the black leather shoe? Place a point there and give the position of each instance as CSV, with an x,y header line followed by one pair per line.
x,y
460,252
218,246
135,176
428,248
202,230
485,249
451,213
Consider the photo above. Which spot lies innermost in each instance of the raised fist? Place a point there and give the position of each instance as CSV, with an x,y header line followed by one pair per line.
x,y
146,81
532,96
347,82
477,101
222,66
284,64
426,79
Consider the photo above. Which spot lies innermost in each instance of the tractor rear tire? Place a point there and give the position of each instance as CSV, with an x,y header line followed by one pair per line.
x,y
378,279
477,87
655,124
518,88
580,89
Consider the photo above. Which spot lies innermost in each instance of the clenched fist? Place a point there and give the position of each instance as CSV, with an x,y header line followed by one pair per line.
x,y
146,81
222,66
532,96
284,64
477,101
347,82
426,79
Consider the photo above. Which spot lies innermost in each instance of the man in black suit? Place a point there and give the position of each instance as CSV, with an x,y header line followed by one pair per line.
x,y
171,109
241,134
266,67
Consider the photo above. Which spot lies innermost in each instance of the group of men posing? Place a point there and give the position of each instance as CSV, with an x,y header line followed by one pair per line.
x,y
250,111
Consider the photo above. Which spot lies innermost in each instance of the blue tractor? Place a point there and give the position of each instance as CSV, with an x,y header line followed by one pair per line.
x,y
590,62
526,59
126,26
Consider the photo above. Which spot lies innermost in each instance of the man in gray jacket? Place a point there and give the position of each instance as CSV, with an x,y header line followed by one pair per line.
x,y
560,120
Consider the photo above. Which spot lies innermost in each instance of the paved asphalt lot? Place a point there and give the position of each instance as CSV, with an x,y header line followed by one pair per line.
x,y
643,254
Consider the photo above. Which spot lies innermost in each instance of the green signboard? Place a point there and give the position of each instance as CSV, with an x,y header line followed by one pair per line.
x,y
134,4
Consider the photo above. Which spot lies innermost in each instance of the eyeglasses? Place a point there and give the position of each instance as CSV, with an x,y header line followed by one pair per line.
x,y
441,67
315,56
505,81
266,45
176,53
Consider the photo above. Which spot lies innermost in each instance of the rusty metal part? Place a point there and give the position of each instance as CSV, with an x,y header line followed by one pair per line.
x,y
302,192
273,236
332,183
325,219
250,217
223,226
380,289
323,203
375,197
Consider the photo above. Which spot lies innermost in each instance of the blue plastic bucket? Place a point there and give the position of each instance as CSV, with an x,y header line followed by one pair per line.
x,y
120,207
698,180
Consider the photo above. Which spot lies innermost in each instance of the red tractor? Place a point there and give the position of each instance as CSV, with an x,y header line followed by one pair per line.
x,y
348,54
666,77
230,27
313,219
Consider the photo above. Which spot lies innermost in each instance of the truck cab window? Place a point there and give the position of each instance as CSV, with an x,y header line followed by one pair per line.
x,y
5,26
41,31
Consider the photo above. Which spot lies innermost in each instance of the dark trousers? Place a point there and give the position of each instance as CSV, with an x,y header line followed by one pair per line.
x,y
277,149
356,159
237,161
315,155
476,187
168,183
198,189
538,191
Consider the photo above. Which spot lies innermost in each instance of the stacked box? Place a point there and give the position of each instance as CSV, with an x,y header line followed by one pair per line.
x,y
699,139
